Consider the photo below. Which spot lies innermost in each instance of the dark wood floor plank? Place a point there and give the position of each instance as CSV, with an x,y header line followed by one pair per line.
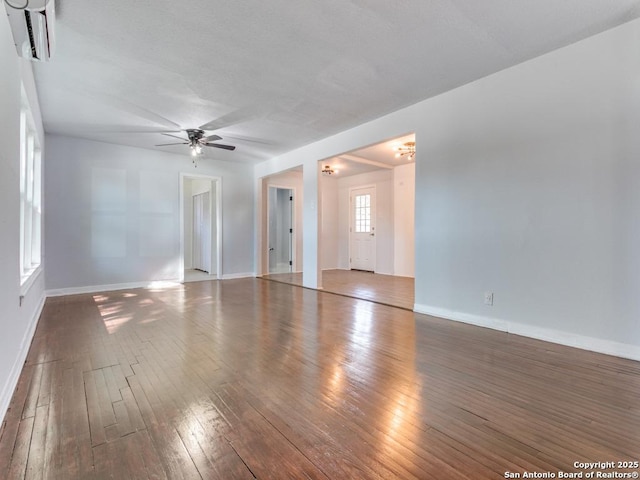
x,y
249,378
150,397
133,411
96,427
17,466
53,443
35,461
76,437
158,431
113,387
107,414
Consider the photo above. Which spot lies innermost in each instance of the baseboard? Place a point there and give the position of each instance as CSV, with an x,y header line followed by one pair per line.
x,y
231,276
57,292
583,342
16,369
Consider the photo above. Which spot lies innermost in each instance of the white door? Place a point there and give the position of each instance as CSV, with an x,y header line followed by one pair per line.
x,y
363,229
202,232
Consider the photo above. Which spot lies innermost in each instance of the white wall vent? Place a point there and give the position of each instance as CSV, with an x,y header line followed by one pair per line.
x,y
32,25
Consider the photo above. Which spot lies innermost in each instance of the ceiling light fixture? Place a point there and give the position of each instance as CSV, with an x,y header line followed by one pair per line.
x,y
196,150
327,170
407,149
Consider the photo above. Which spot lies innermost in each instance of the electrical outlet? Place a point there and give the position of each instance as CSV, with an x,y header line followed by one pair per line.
x,y
488,298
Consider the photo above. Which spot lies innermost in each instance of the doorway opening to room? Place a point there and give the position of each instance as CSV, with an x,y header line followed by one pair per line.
x,y
280,249
200,227
367,227
281,242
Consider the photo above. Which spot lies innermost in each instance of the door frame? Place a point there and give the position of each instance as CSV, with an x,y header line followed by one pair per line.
x,y
216,219
293,224
374,221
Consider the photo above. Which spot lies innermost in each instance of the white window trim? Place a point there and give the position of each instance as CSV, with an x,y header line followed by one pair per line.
x,y
30,198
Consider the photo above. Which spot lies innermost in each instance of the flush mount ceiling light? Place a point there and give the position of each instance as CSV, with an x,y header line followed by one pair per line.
x,y
327,170
407,150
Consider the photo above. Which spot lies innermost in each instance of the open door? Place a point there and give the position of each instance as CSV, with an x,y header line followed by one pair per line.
x,y
280,230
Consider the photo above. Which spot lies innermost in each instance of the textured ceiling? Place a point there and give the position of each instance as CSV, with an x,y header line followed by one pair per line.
x,y
272,76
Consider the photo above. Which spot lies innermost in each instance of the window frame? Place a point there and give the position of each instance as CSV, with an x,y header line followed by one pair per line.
x,y
30,198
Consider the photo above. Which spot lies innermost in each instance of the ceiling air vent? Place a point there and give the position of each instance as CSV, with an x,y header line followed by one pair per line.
x,y
32,26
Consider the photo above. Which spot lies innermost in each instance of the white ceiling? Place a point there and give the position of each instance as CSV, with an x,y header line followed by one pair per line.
x,y
270,76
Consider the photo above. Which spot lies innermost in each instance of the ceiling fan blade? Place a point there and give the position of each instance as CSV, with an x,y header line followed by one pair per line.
x,y
219,145
165,144
175,136
212,138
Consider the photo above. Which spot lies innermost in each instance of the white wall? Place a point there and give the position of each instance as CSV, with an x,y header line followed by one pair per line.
x,y
382,180
529,189
526,186
404,181
329,243
113,214
17,322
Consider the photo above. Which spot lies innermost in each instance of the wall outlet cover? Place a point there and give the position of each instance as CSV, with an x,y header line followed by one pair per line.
x,y
488,298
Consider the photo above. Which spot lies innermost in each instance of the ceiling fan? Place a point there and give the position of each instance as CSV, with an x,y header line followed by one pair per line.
x,y
196,140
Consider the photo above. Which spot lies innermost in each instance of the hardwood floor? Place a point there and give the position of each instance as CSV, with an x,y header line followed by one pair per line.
x,y
384,289
256,379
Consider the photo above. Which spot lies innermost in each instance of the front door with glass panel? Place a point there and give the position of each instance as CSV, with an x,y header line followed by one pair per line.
x,y
363,229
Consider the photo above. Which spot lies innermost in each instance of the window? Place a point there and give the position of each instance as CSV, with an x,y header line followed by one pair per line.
x,y
363,213
30,195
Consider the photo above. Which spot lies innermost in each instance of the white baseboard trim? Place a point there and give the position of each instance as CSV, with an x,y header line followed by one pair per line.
x,y
16,369
57,292
583,342
232,276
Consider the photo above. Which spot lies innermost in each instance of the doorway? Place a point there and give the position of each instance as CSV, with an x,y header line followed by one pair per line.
x,y
200,227
201,232
362,230
280,229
